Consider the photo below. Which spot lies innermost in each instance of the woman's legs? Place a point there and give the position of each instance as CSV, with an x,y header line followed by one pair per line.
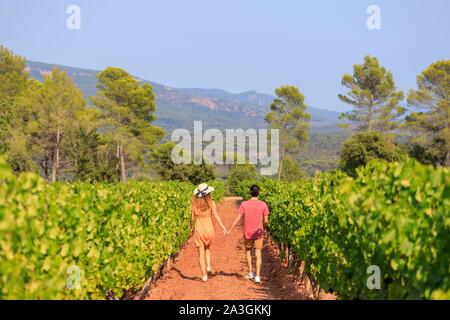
x,y
201,260
208,258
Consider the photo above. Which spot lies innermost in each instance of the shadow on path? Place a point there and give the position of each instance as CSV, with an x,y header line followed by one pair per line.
x,y
210,276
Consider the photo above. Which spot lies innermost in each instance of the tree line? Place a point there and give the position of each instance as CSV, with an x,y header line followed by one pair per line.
x,y
381,126
48,127
385,128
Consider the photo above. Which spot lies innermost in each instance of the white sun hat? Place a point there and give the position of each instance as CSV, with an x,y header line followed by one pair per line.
x,y
202,190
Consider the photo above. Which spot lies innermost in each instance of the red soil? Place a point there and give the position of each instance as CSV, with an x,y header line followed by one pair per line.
x,y
182,279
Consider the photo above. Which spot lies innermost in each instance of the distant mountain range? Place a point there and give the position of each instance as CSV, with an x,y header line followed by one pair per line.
x,y
178,108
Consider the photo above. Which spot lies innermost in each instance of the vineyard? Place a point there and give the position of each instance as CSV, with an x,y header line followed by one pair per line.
x,y
115,235
106,240
394,216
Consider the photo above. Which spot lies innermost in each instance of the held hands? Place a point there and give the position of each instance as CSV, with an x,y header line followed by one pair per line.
x,y
225,231
231,228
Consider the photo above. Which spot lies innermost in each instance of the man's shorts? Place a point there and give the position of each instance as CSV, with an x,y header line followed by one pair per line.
x,y
256,243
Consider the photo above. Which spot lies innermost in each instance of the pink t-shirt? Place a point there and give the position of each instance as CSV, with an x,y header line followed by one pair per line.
x,y
253,211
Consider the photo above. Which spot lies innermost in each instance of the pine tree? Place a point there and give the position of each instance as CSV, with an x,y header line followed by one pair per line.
x,y
431,125
373,96
56,105
288,115
13,83
128,109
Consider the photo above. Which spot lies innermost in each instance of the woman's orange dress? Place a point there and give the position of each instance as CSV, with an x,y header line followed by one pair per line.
x,y
204,228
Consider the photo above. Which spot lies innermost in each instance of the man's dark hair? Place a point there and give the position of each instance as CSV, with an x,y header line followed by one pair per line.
x,y
254,190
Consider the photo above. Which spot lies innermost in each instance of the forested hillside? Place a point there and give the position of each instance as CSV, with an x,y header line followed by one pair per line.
x,y
179,108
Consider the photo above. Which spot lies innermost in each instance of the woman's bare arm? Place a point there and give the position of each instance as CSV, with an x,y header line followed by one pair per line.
x,y
217,217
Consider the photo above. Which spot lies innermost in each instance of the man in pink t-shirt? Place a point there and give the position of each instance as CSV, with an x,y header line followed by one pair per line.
x,y
255,214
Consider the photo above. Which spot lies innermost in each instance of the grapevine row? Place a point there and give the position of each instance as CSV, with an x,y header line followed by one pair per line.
x,y
393,216
82,240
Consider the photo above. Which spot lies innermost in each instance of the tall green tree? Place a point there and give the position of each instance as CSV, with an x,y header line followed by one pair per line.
x,y
373,96
57,107
18,143
13,83
288,115
128,109
431,125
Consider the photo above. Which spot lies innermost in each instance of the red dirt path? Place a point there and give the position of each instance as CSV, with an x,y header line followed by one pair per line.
x,y
182,280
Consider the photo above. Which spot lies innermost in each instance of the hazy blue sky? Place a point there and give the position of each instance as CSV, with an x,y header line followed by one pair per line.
x,y
236,45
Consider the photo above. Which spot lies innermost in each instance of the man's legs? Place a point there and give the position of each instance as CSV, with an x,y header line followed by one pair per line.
x,y
258,248
258,262
248,255
248,243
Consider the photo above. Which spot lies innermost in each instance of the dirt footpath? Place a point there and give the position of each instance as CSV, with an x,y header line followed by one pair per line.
x,y
182,280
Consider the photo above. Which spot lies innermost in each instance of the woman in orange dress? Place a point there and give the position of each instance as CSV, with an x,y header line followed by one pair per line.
x,y
203,208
